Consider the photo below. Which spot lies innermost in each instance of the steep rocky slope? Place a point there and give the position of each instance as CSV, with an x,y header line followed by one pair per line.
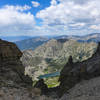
x,y
14,85
13,82
53,55
85,90
11,65
75,78
74,72
81,80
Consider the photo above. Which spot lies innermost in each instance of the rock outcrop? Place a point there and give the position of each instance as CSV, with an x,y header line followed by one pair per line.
x,y
11,68
74,72
85,90
9,50
14,85
42,86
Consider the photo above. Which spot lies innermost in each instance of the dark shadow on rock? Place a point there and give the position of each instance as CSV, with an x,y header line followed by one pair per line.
x,y
74,72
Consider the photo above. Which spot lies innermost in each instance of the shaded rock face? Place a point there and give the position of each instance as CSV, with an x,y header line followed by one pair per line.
x,y
42,86
73,73
85,90
14,84
11,68
9,51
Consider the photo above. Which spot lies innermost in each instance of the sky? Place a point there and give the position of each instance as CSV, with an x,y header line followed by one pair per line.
x,y
49,17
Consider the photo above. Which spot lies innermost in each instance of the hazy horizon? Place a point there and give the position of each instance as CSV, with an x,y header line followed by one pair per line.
x,y
19,38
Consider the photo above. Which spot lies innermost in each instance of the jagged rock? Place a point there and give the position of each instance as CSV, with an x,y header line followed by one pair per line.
x,y
74,72
42,86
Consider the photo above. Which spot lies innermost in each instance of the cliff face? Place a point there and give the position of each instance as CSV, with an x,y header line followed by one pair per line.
x,y
53,55
9,51
13,82
72,73
11,68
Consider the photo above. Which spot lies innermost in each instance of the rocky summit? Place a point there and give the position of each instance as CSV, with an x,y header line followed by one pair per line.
x,y
74,72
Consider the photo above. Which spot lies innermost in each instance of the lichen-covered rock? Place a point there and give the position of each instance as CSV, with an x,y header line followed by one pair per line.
x,y
74,72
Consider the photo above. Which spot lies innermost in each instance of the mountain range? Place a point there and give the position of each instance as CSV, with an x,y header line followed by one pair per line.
x,y
34,42
14,38
53,55
75,77
31,43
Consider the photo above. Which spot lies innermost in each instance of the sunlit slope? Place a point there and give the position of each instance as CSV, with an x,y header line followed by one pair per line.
x,y
53,55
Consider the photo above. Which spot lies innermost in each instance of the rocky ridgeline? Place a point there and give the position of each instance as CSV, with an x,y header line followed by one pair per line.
x,y
74,72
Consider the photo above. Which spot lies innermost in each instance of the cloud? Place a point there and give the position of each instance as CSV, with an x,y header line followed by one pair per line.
x,y
95,27
53,2
35,4
71,13
18,8
61,17
77,24
13,19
